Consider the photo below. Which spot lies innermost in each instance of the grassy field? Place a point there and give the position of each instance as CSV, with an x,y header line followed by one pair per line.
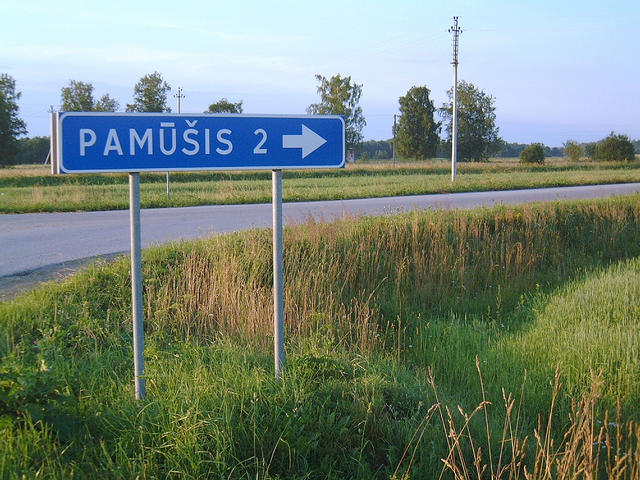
x,y
32,189
411,340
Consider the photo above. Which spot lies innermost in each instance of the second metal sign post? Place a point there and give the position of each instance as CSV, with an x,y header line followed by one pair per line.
x,y
278,274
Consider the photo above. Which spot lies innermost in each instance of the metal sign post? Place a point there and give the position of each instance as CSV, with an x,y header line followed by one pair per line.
x,y
90,142
53,145
278,276
136,285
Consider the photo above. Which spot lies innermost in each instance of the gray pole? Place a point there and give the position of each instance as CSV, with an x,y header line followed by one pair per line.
x,y
456,30
278,282
136,285
454,126
53,142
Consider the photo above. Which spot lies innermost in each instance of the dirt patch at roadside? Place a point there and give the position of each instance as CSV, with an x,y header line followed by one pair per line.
x,y
13,285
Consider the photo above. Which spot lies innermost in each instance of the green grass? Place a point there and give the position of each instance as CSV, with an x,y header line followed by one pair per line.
x,y
589,324
374,309
25,190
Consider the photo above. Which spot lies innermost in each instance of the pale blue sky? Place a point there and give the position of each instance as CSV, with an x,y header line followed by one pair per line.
x,y
557,69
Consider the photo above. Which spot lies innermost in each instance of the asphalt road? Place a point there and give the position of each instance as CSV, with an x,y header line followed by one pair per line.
x,y
36,247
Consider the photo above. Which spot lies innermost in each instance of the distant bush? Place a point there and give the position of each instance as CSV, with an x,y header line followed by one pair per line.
x,y
533,153
510,150
615,148
573,150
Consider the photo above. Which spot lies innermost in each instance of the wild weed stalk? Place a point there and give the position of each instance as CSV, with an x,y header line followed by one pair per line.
x,y
581,447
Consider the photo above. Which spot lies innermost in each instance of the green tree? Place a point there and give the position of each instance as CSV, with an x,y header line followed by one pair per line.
x,y
477,131
533,153
106,104
338,96
78,97
615,148
150,94
11,125
225,106
417,132
573,150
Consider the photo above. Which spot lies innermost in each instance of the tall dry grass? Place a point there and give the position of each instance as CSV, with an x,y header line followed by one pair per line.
x,y
360,280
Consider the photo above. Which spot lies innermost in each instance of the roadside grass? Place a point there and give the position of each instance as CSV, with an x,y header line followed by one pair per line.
x,y
577,329
587,325
402,333
24,190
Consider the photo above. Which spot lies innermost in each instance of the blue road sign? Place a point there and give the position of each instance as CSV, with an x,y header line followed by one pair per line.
x,y
139,142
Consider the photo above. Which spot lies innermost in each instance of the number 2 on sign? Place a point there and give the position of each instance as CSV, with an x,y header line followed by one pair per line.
x,y
259,150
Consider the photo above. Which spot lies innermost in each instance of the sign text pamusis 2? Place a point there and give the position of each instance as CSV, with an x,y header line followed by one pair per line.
x,y
138,142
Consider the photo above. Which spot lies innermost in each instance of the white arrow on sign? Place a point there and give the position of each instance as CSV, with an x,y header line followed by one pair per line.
x,y
309,141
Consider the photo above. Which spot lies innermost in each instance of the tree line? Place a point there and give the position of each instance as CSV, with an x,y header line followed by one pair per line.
x,y
150,94
417,132
383,149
